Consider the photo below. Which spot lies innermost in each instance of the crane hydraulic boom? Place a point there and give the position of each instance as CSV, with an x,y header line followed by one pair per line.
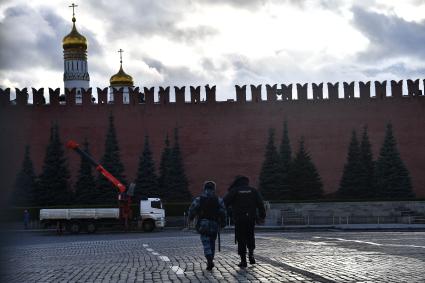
x,y
124,196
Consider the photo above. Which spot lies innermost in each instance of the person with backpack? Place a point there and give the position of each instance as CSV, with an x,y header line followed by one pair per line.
x,y
245,202
211,214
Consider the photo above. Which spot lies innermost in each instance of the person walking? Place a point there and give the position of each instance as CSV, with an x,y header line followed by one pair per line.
x,y
245,201
211,214
26,218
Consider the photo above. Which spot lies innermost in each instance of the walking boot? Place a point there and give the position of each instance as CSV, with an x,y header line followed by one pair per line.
x,y
251,257
210,263
243,263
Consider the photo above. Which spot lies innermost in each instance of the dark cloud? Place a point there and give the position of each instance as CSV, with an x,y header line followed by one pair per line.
x,y
332,5
193,34
154,63
237,3
25,43
397,70
148,18
259,71
251,4
182,75
208,64
31,37
390,36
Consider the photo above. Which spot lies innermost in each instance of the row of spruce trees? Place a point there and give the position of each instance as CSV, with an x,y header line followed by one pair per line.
x,y
52,187
384,178
284,177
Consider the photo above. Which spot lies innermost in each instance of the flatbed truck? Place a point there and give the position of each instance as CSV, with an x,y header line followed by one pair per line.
x,y
74,220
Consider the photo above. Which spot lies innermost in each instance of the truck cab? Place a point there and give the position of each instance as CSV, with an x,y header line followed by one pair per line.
x,y
152,214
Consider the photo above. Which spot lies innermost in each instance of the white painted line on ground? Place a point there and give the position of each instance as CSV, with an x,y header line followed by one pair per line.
x,y
401,239
346,240
177,270
174,268
164,258
369,243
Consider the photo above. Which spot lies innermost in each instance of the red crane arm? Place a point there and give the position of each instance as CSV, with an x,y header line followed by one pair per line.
x,y
111,178
75,146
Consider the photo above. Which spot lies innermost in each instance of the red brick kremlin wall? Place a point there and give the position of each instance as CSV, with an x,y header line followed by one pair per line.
x,y
220,139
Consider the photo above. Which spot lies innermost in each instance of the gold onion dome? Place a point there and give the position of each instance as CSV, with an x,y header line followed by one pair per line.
x,y
74,39
121,79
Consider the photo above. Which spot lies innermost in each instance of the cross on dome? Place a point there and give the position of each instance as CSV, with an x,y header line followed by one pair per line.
x,y
73,11
120,52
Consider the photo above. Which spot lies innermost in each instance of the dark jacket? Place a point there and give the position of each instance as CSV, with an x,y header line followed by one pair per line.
x,y
244,200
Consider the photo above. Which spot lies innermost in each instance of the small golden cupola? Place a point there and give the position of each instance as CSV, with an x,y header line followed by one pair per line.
x,y
74,40
121,79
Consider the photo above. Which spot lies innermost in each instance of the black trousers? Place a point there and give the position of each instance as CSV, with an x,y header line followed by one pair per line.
x,y
244,233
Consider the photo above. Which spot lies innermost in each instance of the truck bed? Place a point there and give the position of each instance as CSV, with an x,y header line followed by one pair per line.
x,y
79,213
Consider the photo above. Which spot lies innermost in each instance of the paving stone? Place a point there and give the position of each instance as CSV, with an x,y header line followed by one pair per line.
x,y
281,257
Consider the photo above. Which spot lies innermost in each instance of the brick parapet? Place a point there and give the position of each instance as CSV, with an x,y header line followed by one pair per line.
x,y
282,94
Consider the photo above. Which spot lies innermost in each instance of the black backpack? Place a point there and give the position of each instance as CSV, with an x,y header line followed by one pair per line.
x,y
209,208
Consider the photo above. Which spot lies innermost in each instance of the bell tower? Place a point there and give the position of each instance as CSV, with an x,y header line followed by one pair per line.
x,y
75,60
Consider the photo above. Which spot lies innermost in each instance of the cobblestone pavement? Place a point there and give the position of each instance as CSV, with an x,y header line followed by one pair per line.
x,y
177,257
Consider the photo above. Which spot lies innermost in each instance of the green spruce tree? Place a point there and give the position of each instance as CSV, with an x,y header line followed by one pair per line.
x,y
86,191
111,161
53,186
285,155
179,190
367,168
146,180
23,195
303,176
164,170
350,185
392,176
270,182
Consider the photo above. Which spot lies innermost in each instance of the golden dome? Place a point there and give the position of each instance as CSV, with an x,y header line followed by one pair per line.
x,y
121,79
74,39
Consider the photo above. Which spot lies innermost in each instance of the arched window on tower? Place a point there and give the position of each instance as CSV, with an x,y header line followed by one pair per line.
x,y
78,97
126,96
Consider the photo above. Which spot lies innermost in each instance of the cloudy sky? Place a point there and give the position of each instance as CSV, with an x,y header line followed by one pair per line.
x,y
219,42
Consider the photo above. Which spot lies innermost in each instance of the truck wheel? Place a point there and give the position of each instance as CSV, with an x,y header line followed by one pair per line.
x,y
148,226
74,228
91,228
